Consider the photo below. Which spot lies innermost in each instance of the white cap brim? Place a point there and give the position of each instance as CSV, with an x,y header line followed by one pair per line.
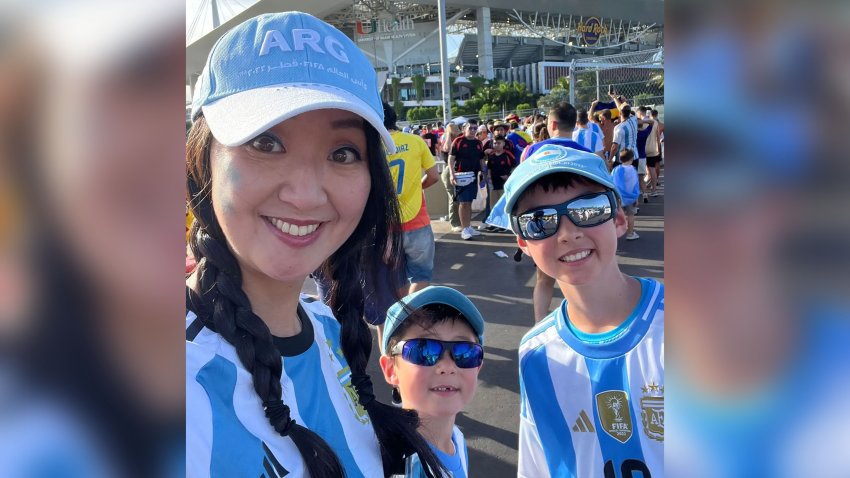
x,y
239,117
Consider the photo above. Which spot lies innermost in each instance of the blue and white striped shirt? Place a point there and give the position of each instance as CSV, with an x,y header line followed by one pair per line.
x,y
227,432
593,405
588,138
625,135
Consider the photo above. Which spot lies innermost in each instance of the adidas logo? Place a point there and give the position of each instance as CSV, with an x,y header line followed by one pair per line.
x,y
583,423
272,467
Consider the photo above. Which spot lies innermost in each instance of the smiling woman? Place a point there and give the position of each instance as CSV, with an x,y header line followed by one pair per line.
x,y
286,176
268,201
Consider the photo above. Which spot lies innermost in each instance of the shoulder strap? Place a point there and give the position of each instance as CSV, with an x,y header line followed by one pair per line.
x,y
193,304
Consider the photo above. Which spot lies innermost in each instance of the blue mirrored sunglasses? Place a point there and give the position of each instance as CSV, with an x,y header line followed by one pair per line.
x,y
587,210
427,352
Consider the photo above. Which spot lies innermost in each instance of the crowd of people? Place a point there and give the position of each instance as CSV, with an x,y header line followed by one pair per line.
x,y
276,380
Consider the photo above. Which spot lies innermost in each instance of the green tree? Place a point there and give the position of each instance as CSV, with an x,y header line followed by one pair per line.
x,y
563,83
454,107
420,113
585,90
488,109
657,80
477,82
471,106
554,97
523,107
419,87
643,99
398,106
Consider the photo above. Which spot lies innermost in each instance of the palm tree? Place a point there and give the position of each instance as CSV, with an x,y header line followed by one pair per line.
x,y
563,83
657,79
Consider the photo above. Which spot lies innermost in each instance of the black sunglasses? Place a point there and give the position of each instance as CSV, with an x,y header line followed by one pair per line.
x,y
427,352
588,210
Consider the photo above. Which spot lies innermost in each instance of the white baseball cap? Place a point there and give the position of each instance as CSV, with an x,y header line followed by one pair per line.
x,y
278,65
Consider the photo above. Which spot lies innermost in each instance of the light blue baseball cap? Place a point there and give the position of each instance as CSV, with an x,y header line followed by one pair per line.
x,y
434,294
278,65
550,159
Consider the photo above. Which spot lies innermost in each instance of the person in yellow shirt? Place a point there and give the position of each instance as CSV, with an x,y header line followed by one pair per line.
x,y
412,157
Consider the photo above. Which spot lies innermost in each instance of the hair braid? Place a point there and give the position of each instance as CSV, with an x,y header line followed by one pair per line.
x,y
230,315
376,238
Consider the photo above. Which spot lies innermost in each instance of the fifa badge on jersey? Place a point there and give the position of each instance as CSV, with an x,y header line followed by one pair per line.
x,y
615,414
652,411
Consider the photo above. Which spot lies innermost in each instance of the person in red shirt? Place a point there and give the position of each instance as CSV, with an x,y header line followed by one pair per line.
x,y
500,163
466,163
430,139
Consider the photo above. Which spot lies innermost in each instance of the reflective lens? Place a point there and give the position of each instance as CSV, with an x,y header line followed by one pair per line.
x,y
427,352
584,211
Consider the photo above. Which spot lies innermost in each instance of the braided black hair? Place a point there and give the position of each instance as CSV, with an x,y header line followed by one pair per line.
x,y
225,308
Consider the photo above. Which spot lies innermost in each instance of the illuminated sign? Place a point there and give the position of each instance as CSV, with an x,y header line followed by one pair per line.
x,y
401,27
591,29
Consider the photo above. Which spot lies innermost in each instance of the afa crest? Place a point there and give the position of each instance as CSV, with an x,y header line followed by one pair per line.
x,y
344,377
652,411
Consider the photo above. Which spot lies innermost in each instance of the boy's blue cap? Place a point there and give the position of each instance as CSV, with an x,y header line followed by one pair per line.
x,y
549,159
432,295
278,65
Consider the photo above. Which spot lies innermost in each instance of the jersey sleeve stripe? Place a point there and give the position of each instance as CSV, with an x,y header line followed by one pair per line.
x,y
236,445
550,422
321,416
607,376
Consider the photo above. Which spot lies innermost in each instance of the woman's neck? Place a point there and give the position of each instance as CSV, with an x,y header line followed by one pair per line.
x,y
438,432
594,310
275,302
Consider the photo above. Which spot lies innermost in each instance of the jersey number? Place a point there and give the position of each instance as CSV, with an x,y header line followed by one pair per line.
x,y
400,179
627,469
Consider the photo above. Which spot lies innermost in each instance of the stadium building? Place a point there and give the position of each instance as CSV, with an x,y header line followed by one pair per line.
x,y
535,42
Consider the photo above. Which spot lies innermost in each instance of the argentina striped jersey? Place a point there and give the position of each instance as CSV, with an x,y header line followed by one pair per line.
x,y
593,405
589,139
457,464
595,128
227,432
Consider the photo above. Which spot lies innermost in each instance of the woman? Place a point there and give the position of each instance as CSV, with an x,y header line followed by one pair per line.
x,y
286,175
540,132
452,133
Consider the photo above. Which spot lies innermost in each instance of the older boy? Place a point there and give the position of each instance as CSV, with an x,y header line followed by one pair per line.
x,y
432,353
592,372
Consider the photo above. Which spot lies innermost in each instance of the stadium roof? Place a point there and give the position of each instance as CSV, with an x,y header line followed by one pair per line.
x,y
506,50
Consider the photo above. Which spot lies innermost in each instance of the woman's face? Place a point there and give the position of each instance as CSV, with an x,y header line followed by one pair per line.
x,y
287,199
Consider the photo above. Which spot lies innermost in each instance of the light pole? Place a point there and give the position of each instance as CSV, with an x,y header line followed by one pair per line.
x,y
444,62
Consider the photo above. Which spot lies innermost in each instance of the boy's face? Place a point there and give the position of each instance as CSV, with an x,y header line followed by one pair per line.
x,y
498,145
440,390
573,255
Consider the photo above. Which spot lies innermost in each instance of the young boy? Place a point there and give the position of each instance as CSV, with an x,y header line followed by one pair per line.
x,y
592,372
432,351
500,162
626,180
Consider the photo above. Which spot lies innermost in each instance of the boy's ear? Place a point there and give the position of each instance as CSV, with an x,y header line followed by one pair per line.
x,y
620,222
389,370
522,245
